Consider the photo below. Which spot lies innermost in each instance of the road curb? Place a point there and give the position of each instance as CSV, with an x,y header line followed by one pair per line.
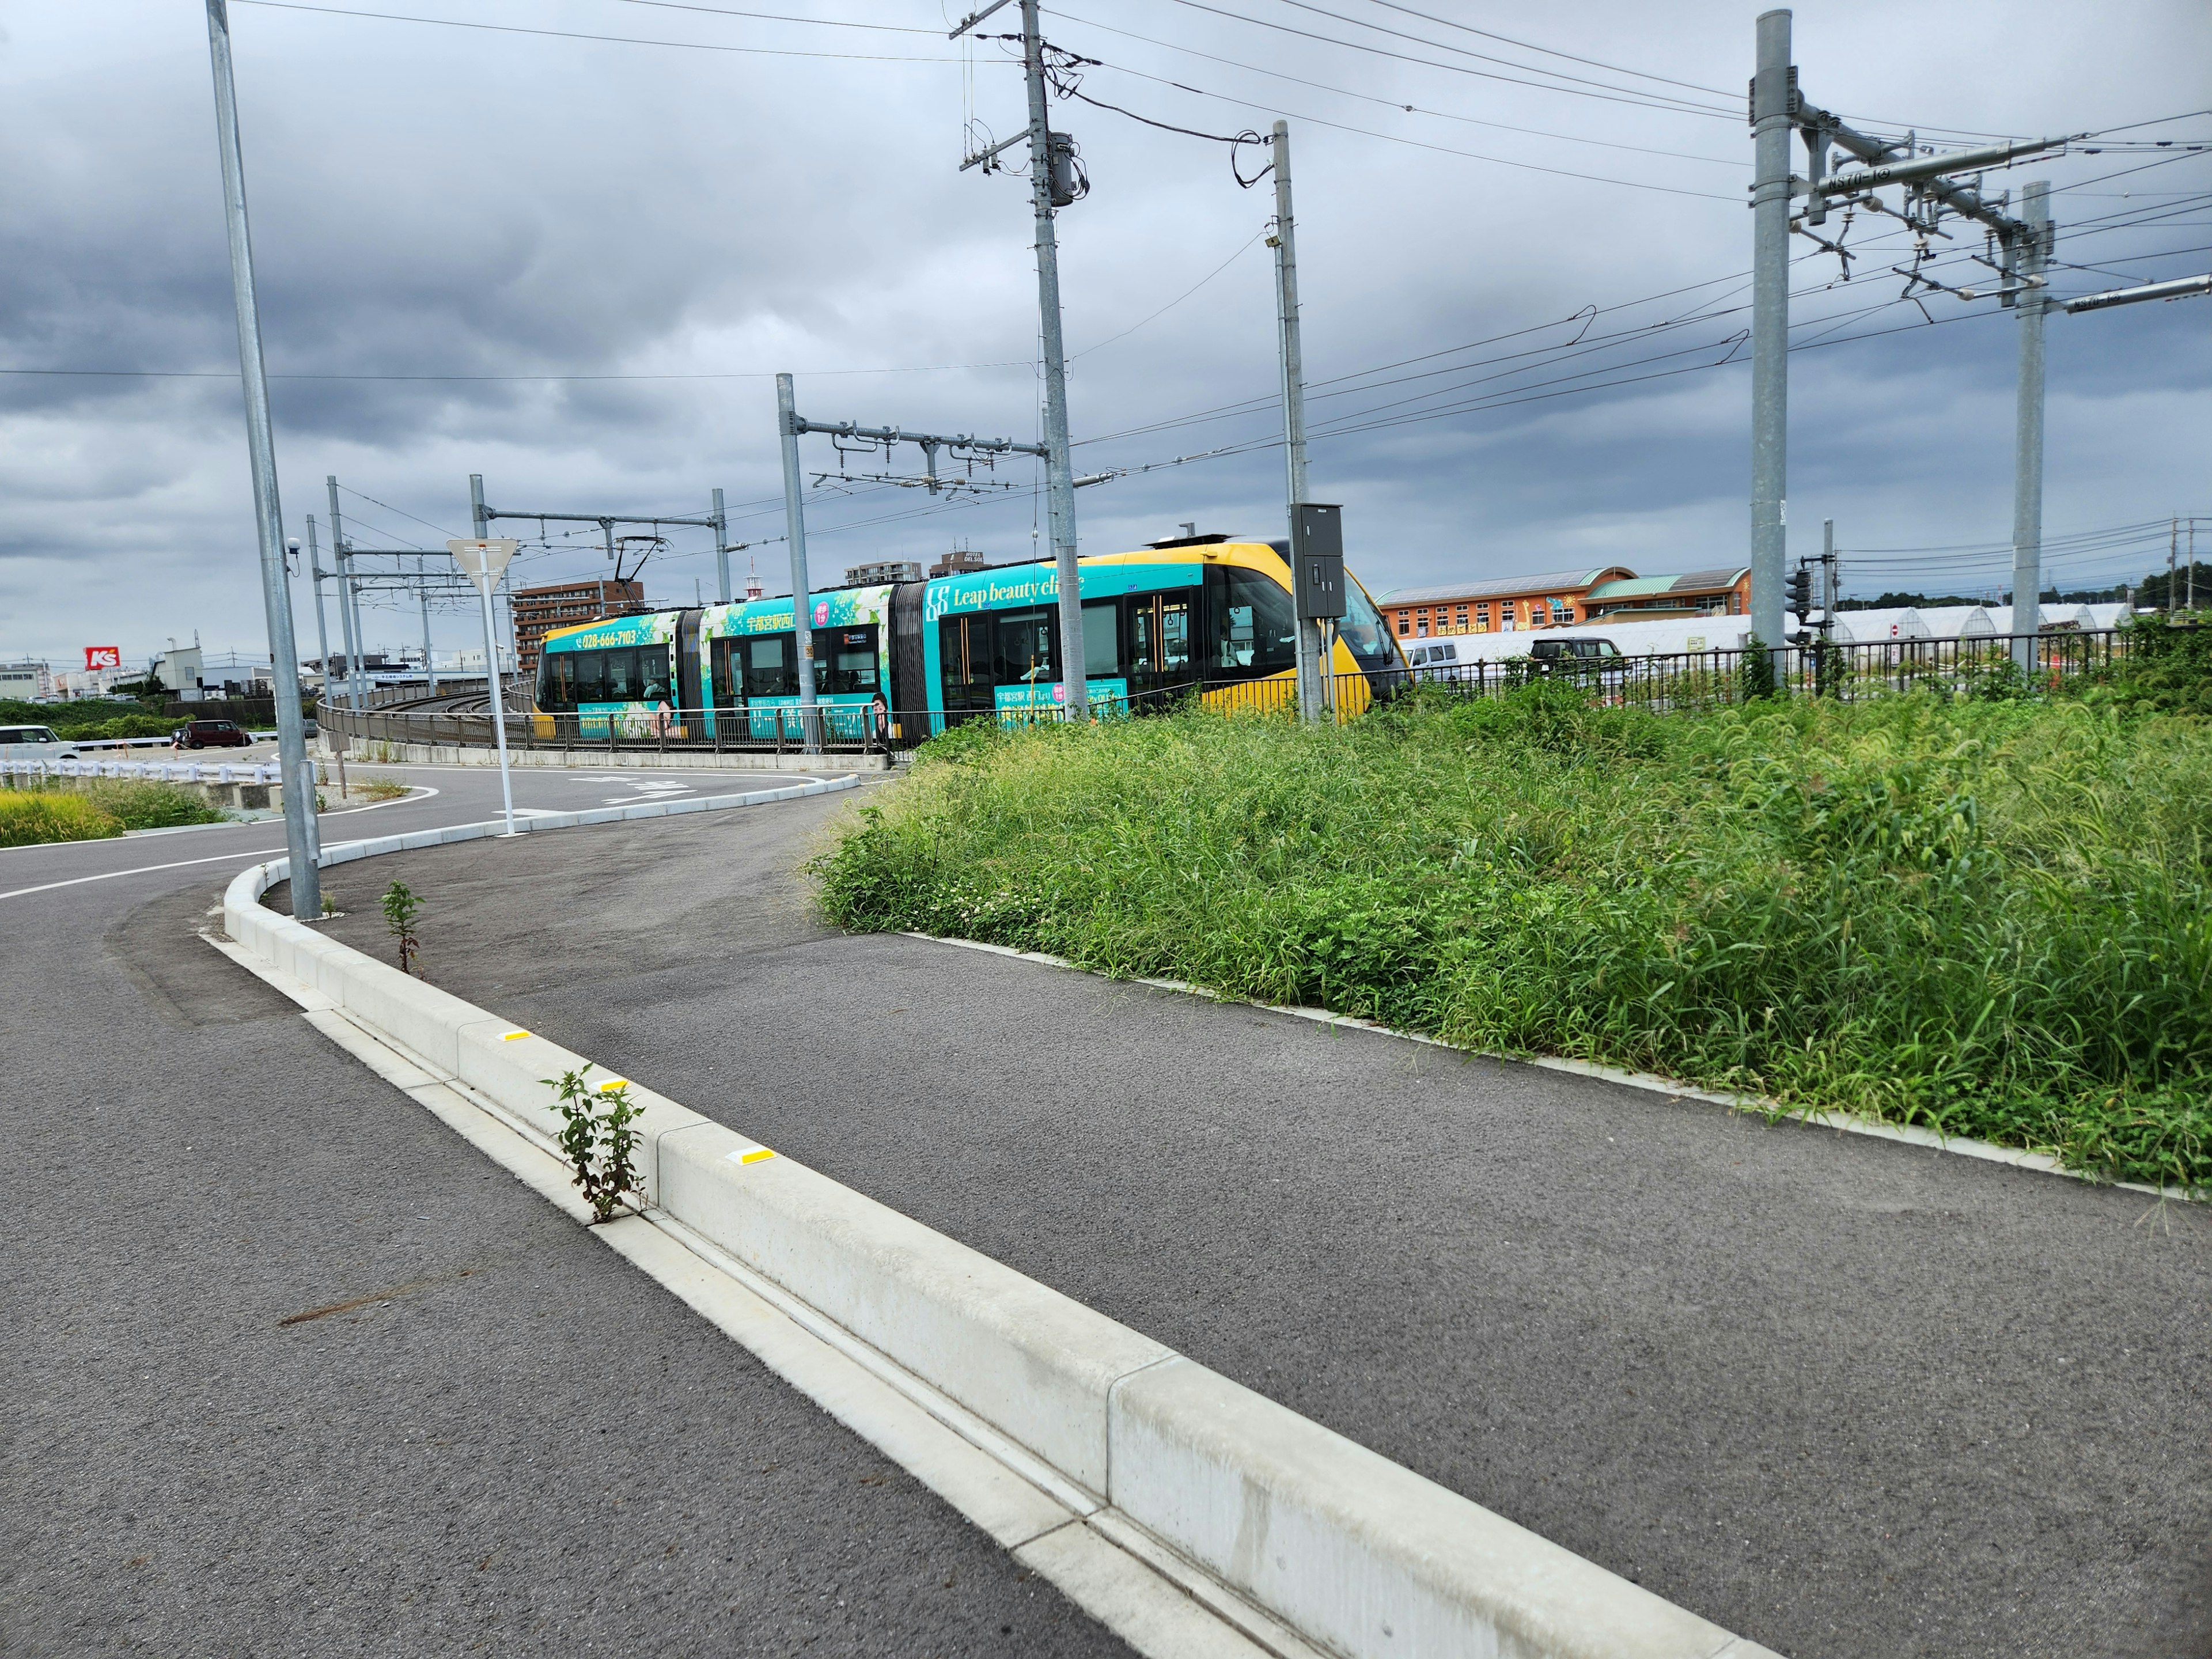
x,y
1286,1532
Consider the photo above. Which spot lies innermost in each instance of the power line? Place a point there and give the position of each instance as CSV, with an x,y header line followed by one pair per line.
x,y
1439,46
1657,101
579,34
1550,52
783,17
1369,97
1416,144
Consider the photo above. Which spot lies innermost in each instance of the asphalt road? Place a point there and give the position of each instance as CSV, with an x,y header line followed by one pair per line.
x,y
491,1437
1842,1396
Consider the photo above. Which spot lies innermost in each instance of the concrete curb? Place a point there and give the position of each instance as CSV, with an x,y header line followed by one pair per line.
x,y
1151,1449
1911,1135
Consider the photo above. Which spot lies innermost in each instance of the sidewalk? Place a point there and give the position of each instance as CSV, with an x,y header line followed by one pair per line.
x,y
292,1370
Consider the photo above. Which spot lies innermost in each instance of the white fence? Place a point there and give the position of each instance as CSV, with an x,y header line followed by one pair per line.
x,y
158,771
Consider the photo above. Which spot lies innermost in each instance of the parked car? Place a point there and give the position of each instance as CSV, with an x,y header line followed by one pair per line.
x,y
212,734
1578,655
33,743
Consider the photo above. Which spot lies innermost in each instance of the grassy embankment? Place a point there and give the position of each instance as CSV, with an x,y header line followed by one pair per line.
x,y
1992,918
94,808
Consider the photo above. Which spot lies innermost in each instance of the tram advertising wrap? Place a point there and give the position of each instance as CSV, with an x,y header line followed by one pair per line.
x,y
902,661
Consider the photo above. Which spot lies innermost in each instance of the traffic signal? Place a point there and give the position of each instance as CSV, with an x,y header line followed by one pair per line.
x,y
1800,591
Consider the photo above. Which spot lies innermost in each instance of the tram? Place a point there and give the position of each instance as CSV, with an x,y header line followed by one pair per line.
x,y
1202,615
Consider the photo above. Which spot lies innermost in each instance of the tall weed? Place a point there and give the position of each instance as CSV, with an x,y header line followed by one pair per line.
x,y
1989,917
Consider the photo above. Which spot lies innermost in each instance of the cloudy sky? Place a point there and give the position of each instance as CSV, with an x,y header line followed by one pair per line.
x,y
568,245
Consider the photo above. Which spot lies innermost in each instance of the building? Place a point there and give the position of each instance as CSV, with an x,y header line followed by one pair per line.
x,y
538,611
26,681
883,570
958,560
1722,593
1554,598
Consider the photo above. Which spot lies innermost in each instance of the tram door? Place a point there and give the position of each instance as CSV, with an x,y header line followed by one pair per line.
x,y
1159,642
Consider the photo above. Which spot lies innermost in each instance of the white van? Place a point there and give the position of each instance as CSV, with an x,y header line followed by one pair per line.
x,y
33,743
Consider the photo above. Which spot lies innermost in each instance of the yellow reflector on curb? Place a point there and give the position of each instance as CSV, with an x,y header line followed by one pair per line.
x,y
509,1037
752,1157
614,1082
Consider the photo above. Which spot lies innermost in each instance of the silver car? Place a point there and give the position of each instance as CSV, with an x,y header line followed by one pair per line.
x,y
33,743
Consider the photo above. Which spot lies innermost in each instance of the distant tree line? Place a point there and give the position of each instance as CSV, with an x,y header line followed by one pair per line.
x,y
2149,594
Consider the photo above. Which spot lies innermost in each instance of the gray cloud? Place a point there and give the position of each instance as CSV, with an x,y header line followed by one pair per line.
x,y
446,202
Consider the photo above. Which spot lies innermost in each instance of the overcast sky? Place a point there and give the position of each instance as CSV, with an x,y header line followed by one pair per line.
x,y
446,217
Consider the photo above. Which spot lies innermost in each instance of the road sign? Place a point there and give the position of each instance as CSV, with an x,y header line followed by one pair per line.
x,y
484,559
97,657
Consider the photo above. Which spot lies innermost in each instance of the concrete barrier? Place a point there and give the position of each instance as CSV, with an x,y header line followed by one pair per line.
x,y
1352,1551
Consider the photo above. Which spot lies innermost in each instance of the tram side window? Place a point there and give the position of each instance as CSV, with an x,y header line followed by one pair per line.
x,y
725,671
845,660
1025,649
1102,639
771,665
1253,632
589,672
965,659
557,681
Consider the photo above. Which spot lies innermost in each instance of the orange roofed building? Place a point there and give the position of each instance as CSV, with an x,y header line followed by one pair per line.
x,y
1560,597
1550,600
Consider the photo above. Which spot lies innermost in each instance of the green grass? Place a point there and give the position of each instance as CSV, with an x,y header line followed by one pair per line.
x,y
1990,918
67,809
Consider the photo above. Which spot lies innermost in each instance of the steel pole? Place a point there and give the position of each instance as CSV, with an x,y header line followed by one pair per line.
x,y
322,628
1292,360
1058,475
498,711
794,527
302,833
2027,441
430,667
1771,108
721,550
349,613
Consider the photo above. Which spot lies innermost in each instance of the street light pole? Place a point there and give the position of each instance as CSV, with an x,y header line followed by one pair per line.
x,y
482,559
303,836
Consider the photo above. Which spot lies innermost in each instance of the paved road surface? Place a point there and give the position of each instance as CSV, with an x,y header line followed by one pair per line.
x,y
1843,1396
502,1441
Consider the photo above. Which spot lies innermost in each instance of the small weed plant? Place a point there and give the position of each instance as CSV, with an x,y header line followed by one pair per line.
x,y
400,908
598,1142
1987,913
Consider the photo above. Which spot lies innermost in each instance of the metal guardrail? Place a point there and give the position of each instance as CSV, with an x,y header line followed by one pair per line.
x,y
155,771
1687,680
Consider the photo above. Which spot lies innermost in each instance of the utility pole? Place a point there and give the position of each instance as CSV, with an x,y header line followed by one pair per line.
x,y
794,528
322,628
1284,242
302,835
1048,188
721,550
2172,587
349,615
2031,256
430,667
1773,99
